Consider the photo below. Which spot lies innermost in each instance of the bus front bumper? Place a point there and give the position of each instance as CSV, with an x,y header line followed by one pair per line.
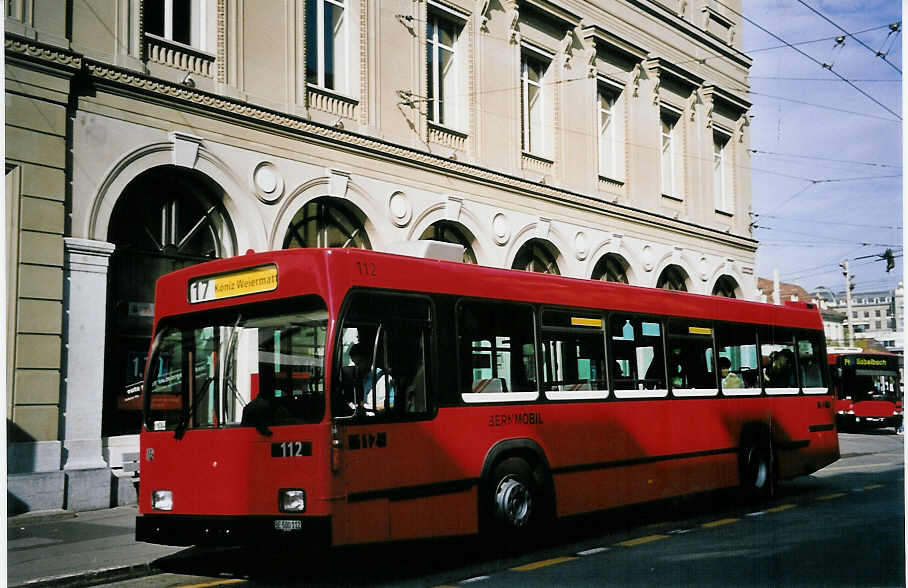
x,y
232,530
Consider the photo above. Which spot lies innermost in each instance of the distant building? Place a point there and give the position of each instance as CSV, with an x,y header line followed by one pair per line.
x,y
786,291
877,314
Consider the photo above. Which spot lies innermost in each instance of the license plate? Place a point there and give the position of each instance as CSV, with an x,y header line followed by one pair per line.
x,y
288,525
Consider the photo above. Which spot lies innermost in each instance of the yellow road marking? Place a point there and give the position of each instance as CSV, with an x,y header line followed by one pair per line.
x,y
781,507
873,486
544,563
641,540
215,583
831,496
719,523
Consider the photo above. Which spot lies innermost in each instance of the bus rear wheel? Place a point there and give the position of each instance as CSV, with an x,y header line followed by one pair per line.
x,y
514,497
758,474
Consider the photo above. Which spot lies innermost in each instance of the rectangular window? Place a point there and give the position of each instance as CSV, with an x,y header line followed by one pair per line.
x,y
608,135
739,365
326,38
497,349
443,70
811,363
384,351
721,176
638,357
534,104
691,359
177,20
573,349
669,124
777,351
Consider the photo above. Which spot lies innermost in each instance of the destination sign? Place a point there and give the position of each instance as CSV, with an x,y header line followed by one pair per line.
x,y
241,283
870,362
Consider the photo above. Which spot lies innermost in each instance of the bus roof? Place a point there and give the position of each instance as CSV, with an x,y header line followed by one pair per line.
x,y
330,273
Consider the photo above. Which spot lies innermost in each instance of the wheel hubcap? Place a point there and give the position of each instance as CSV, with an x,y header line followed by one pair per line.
x,y
759,468
513,502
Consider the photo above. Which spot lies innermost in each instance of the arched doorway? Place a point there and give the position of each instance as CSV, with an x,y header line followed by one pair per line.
x,y
166,219
536,255
673,277
451,232
611,268
726,286
327,222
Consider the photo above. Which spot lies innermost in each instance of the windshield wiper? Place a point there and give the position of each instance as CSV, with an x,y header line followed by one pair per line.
x,y
187,417
229,380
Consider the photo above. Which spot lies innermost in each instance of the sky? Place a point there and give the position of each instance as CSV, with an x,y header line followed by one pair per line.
x,y
826,135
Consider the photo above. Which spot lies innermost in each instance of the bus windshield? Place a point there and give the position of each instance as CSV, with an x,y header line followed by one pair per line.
x,y
238,369
872,385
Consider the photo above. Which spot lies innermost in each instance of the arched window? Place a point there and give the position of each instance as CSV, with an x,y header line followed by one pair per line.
x,y
166,219
611,268
538,256
725,286
450,232
673,277
327,222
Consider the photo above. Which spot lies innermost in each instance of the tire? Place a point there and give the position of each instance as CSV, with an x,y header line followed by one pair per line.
x,y
513,498
758,469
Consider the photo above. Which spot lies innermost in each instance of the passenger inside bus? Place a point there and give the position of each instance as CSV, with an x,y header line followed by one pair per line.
x,y
729,378
781,373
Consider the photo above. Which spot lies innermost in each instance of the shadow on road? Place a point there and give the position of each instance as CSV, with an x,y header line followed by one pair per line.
x,y
400,562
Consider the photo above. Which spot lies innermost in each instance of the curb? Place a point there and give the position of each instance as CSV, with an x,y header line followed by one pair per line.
x,y
39,516
93,577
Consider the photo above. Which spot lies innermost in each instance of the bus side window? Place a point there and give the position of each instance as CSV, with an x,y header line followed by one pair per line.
x,y
810,364
777,350
691,357
573,349
497,350
737,347
384,357
637,349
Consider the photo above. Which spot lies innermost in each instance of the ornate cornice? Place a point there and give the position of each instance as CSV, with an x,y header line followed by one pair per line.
x,y
56,56
131,82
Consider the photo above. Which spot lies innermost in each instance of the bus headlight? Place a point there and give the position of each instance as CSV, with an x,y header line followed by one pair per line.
x,y
292,500
162,500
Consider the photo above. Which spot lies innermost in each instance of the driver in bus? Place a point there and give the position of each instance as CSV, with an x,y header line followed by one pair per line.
x,y
373,386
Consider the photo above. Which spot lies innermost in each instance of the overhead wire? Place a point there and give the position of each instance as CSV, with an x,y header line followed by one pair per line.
x,y
808,56
818,158
827,19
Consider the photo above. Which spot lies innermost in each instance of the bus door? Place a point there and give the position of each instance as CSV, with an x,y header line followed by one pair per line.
x,y
382,408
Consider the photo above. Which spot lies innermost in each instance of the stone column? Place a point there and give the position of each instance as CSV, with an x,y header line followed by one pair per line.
x,y
88,475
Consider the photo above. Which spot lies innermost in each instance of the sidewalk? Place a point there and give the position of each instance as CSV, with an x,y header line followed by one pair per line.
x,y
64,548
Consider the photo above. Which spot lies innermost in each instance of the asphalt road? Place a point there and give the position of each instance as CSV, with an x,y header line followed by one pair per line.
x,y
843,526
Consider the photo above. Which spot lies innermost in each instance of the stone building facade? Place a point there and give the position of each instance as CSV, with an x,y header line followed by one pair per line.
x,y
602,140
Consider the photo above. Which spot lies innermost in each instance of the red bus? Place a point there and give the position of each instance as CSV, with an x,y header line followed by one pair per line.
x,y
349,396
867,390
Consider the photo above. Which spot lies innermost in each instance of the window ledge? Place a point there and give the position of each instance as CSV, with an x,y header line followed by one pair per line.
x,y
673,198
725,213
611,181
178,55
332,102
536,163
447,136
